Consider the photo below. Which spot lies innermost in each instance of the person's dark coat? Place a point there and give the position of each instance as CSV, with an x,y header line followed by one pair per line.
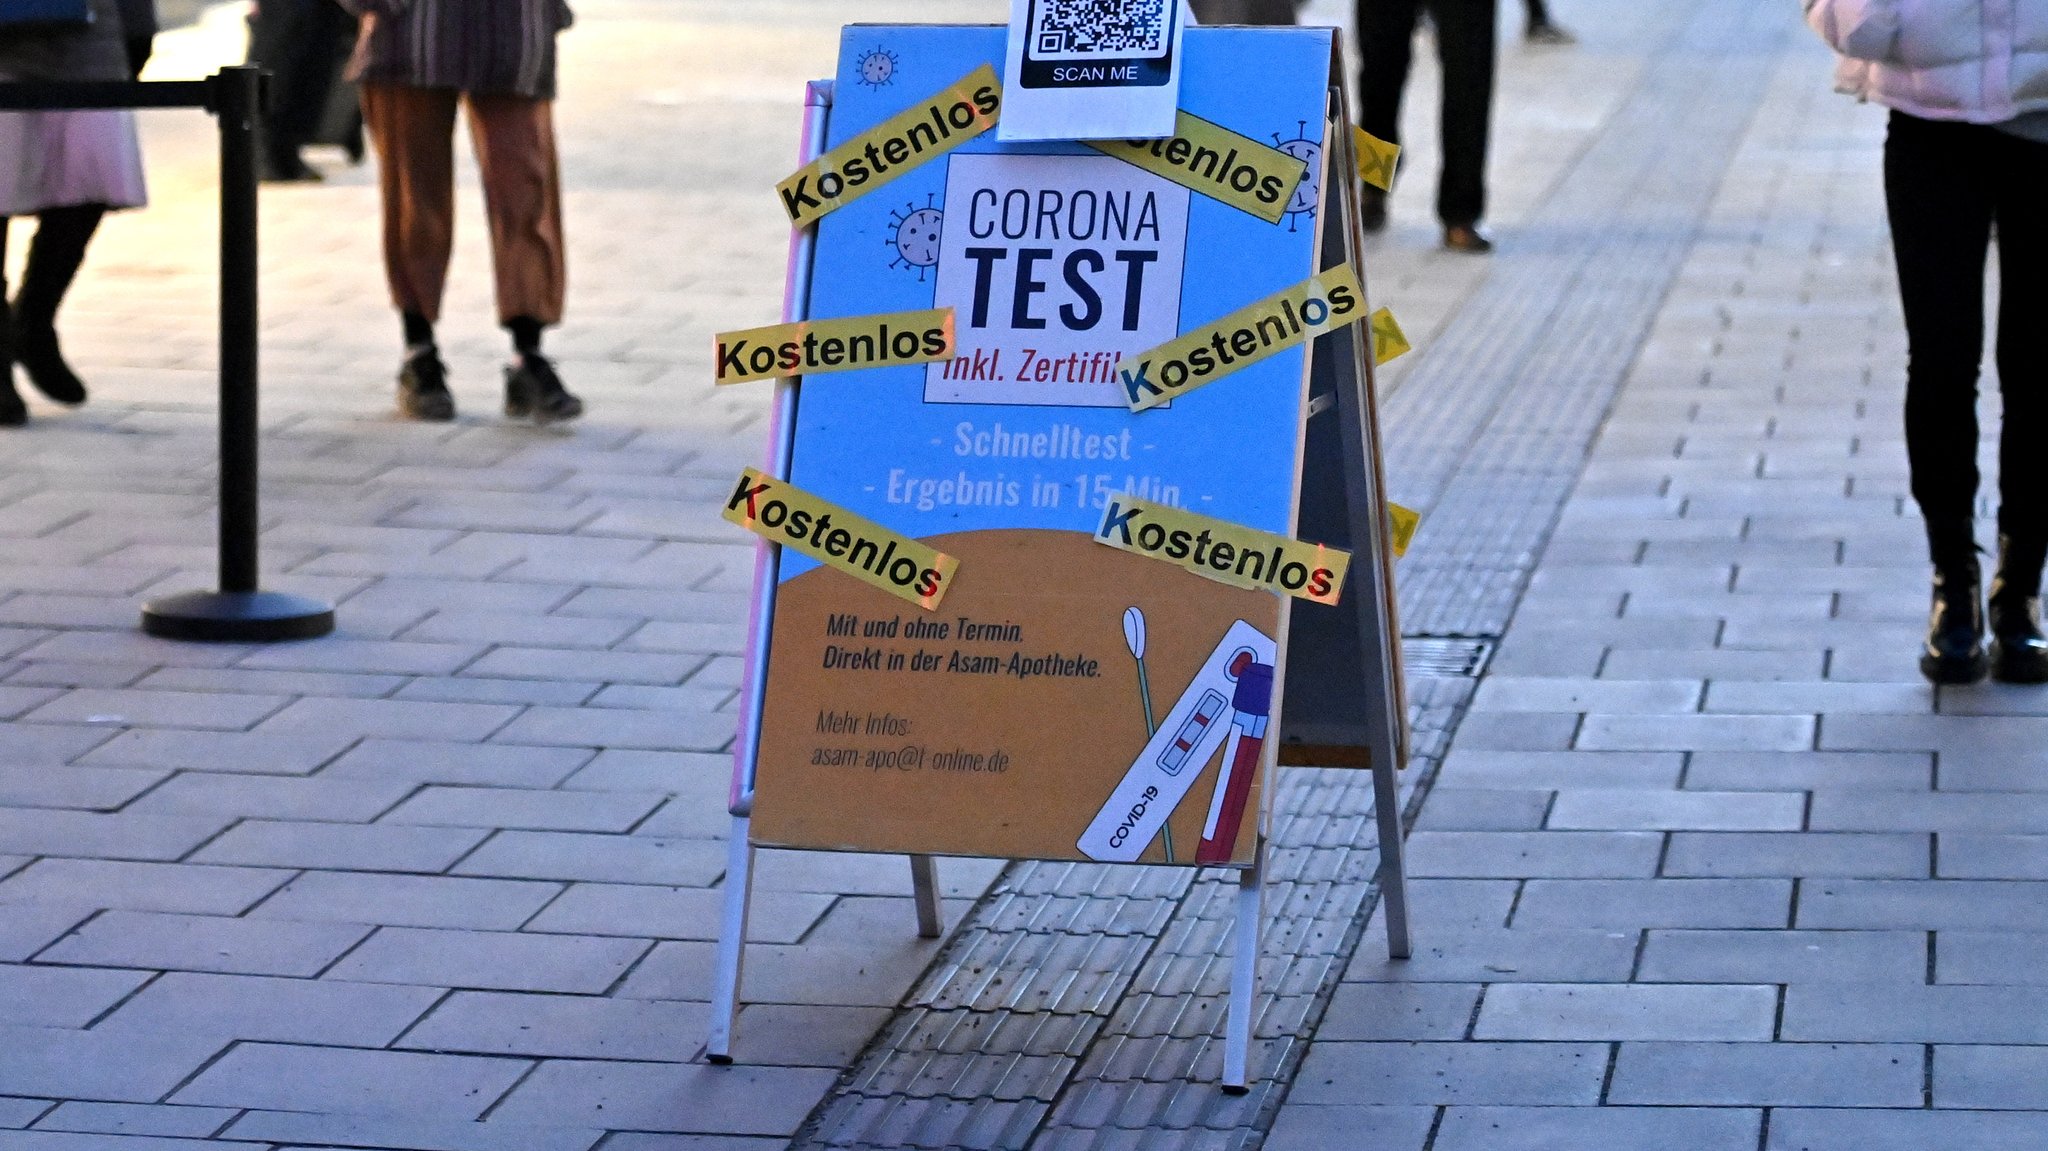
x,y
99,50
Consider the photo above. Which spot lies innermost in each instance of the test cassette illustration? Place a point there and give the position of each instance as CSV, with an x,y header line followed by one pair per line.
x,y
1229,699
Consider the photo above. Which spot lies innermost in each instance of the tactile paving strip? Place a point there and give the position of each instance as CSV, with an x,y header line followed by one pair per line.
x,y
1080,1006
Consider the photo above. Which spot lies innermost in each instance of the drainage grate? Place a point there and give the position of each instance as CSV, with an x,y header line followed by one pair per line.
x,y
1451,657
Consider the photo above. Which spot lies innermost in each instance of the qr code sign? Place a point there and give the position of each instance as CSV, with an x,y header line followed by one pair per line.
x,y
1088,29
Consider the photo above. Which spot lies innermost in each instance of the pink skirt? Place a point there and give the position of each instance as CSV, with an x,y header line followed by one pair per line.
x,y
60,159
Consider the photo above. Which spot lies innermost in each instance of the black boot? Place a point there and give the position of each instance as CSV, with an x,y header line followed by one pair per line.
x,y
1954,651
53,259
2019,652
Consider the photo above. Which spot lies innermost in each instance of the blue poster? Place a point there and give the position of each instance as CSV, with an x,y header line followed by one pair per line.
x,y
1064,694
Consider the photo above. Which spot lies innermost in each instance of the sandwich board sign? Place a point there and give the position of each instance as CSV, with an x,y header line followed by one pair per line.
x,y
1038,490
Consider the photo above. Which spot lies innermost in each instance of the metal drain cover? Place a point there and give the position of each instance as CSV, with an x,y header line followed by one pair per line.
x,y
1445,656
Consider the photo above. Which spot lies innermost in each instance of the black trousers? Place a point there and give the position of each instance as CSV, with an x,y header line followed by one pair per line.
x,y
1946,185
303,44
1465,47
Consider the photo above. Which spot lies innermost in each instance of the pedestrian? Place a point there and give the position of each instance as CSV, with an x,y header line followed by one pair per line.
x,y
301,43
417,60
1966,155
67,168
1541,29
1465,48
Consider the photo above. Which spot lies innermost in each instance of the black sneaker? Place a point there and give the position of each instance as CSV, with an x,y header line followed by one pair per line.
x,y
533,389
423,387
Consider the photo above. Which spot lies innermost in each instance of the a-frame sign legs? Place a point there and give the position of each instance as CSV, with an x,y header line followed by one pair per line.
x,y
729,962
732,941
1371,591
924,891
739,855
1379,626
1244,973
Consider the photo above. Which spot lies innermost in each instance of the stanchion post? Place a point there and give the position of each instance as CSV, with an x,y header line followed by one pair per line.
x,y
239,92
237,611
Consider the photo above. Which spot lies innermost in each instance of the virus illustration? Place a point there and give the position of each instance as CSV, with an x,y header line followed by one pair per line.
x,y
877,68
1306,193
916,237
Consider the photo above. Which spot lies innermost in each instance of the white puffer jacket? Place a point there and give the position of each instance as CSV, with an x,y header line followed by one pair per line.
x,y
1985,61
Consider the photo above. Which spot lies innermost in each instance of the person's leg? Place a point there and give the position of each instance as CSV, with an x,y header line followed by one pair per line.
x,y
1465,44
53,260
515,151
413,130
278,35
342,117
1938,199
2019,169
13,413
1386,36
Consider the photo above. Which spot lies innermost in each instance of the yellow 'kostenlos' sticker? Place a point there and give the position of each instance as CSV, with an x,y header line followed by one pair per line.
x,y
1405,520
924,131
1223,551
841,540
1388,341
1376,159
842,345
1242,338
1218,163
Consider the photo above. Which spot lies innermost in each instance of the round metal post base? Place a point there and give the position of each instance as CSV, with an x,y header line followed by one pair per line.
x,y
237,616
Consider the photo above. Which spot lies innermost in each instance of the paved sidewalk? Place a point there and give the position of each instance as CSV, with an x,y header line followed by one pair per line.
x,y
1708,865
1704,864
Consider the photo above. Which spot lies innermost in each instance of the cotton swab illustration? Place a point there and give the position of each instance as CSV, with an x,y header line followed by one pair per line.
x,y
1134,638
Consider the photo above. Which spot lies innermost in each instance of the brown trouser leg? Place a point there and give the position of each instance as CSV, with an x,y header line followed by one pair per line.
x,y
412,129
515,148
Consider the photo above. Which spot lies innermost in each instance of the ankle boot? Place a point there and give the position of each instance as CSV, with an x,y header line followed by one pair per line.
x,y
1954,651
36,350
53,259
2019,652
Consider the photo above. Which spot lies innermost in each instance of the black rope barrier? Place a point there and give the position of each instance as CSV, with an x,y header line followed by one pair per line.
x,y
238,610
